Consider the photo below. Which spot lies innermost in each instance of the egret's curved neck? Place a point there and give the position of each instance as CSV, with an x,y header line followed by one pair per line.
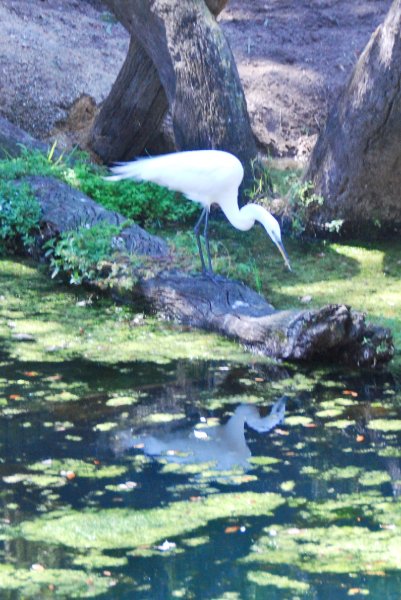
x,y
240,218
243,218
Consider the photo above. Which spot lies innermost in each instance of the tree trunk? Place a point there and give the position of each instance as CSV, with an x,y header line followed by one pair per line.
x,y
356,163
133,111
192,61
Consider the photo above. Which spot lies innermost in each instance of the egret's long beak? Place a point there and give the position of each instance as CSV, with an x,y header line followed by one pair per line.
x,y
283,253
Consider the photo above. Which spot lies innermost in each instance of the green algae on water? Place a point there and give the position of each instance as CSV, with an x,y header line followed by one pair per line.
x,y
330,549
128,528
37,581
69,322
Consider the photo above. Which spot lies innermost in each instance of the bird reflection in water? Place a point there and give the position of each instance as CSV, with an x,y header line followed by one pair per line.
x,y
224,445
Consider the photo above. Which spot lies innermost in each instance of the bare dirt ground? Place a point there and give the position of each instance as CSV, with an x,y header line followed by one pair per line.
x,y
293,57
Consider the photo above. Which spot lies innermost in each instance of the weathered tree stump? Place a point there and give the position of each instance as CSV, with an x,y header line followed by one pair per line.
x,y
133,111
178,59
356,163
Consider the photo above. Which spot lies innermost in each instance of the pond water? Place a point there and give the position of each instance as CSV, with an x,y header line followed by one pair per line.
x,y
198,480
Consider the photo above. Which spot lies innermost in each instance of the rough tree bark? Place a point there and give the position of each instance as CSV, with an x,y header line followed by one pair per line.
x,y
356,163
133,111
183,50
333,332
65,209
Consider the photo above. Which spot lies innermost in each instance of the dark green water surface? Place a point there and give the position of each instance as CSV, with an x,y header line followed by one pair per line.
x,y
189,481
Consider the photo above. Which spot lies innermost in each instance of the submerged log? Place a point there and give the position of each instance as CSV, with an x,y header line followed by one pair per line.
x,y
334,332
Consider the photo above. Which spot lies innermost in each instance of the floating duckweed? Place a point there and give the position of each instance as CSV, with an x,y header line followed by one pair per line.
x,y
43,481
329,413
342,506
122,400
164,417
125,528
309,470
264,578
345,401
64,328
288,486
373,478
192,542
390,451
69,583
385,424
107,426
329,549
264,460
239,399
73,438
295,420
65,396
338,473
94,560
120,488
79,468
232,479
180,593
189,469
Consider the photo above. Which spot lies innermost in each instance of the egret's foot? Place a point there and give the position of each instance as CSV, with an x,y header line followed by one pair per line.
x,y
213,276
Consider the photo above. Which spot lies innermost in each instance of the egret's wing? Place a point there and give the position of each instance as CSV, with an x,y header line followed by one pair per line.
x,y
201,175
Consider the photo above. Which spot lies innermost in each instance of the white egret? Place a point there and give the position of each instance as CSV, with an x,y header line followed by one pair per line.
x,y
207,177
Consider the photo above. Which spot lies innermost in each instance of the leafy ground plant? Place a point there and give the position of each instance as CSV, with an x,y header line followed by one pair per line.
x,y
19,215
79,253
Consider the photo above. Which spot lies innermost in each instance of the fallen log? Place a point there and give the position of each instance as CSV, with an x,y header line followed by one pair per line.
x,y
12,138
334,332
65,208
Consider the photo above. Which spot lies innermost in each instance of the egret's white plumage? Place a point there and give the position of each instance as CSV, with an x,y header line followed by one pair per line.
x,y
207,177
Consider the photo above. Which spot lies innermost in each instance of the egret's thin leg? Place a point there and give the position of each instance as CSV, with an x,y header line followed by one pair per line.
x,y
206,236
197,235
